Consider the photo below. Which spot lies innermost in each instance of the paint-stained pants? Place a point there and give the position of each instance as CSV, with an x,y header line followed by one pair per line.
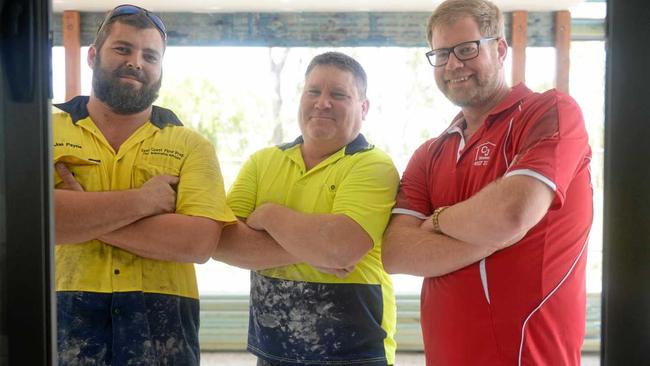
x,y
127,328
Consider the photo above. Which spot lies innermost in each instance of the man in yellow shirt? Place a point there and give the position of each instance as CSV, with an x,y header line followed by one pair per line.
x,y
138,199
312,213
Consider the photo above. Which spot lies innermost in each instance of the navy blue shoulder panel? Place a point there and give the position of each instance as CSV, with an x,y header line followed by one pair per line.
x,y
75,107
163,116
358,144
287,145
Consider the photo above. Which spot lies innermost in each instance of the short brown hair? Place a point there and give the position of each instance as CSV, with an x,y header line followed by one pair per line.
x,y
345,63
487,15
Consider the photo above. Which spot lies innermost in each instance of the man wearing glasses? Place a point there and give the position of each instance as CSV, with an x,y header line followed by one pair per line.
x,y
495,212
138,199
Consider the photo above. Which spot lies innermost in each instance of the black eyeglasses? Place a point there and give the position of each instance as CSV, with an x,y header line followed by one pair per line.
x,y
128,9
463,52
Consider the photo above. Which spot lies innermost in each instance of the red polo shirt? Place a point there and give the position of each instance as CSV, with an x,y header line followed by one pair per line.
x,y
524,304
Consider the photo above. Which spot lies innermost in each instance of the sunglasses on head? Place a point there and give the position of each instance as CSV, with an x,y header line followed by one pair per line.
x,y
128,9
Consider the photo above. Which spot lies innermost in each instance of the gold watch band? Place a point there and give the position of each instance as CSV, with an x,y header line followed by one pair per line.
x,y
434,219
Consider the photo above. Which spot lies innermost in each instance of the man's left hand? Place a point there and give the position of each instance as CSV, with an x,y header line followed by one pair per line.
x,y
338,272
427,225
256,219
69,182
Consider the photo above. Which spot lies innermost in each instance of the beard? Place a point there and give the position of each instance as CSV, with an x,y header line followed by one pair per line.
x,y
123,98
485,85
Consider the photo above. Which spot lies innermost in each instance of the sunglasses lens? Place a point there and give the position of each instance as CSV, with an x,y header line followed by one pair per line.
x,y
158,23
124,10
132,9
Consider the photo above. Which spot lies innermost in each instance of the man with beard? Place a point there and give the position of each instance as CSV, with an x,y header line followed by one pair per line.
x,y
138,199
495,212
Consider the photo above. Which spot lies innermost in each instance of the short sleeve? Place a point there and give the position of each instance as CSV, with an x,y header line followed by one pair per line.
x,y
413,197
367,193
552,145
200,190
242,195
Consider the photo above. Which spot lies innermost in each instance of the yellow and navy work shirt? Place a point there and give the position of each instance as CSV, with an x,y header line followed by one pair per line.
x,y
161,146
300,315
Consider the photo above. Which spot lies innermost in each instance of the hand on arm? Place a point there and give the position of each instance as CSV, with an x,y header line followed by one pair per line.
x,y
411,247
243,246
338,272
140,220
81,216
252,249
500,214
327,241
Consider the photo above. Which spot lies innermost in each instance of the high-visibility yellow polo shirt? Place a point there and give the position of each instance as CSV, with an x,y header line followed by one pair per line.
x,y
299,314
160,146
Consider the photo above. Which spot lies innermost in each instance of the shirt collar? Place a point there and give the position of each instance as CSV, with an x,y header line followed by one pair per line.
x,y
358,144
517,93
77,108
514,97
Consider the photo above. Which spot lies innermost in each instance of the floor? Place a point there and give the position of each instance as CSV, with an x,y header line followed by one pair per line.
x,y
402,359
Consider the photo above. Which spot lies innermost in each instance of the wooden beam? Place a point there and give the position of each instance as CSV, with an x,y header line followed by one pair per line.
x,y
562,49
72,45
359,29
519,44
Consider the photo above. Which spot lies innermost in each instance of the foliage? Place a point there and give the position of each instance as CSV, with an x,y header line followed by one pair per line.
x,y
222,118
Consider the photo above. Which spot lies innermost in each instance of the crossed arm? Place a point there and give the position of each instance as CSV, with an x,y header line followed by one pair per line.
x,y
141,220
333,243
496,217
274,235
244,247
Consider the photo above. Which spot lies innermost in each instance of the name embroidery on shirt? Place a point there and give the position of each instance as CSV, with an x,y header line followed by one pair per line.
x,y
67,144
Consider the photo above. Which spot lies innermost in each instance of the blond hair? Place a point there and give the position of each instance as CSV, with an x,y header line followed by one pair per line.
x,y
487,15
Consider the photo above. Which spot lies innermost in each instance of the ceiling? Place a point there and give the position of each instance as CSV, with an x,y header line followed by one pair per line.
x,y
229,6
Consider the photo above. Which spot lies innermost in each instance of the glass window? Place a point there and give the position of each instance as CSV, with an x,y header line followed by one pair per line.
x,y
230,95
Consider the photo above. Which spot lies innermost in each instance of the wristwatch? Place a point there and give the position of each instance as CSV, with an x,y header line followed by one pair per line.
x,y
434,219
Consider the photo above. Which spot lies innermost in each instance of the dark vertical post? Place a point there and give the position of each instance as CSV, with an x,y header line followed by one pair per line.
x,y
626,245
26,240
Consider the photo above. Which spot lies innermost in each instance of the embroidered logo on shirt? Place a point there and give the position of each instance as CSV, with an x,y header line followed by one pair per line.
x,y
483,154
178,155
